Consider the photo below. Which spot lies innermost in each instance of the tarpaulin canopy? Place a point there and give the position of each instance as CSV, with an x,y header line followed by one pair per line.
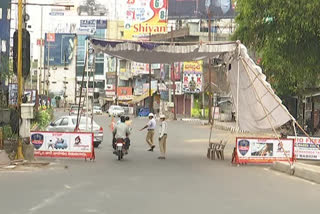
x,y
157,52
258,108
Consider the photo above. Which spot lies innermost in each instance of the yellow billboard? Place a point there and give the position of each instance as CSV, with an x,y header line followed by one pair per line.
x,y
145,17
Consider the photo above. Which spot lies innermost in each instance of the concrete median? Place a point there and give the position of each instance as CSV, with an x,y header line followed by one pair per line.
x,y
301,170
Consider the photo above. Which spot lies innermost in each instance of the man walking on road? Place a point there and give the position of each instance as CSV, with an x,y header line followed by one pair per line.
x,y
151,126
163,131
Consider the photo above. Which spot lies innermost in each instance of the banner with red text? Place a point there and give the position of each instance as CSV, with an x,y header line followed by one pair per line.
x,y
63,144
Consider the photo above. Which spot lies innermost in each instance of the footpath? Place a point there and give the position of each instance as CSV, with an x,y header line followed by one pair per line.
x,y
308,170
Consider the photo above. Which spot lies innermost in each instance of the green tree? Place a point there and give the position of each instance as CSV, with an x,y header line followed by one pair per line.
x,y
286,35
6,68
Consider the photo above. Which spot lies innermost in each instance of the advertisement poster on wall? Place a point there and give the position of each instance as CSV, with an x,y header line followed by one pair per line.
x,y
145,17
63,144
305,149
192,76
13,94
263,150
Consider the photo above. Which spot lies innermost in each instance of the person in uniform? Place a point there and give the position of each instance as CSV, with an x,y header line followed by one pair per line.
x,y
151,127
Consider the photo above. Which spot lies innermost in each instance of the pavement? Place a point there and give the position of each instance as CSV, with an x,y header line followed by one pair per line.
x,y
186,182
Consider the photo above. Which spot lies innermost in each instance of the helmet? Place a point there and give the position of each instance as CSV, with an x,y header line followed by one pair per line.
x,y
162,116
151,115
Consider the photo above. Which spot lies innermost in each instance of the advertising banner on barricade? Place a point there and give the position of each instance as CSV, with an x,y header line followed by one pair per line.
x,y
63,144
305,149
263,150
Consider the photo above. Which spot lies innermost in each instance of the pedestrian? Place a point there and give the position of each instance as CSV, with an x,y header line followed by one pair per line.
x,y
151,127
163,134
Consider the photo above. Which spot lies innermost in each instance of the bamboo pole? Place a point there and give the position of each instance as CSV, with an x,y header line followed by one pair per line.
x,y
20,80
267,114
292,118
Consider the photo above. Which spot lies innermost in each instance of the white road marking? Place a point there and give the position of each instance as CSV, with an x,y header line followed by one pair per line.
x,y
53,198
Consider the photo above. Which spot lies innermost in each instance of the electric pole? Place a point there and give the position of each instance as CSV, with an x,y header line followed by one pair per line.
x,y
209,68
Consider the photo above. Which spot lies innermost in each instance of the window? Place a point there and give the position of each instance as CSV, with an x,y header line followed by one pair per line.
x,y
8,14
57,122
0,13
64,122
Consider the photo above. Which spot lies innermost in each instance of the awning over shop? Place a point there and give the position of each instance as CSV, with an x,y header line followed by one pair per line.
x,y
137,99
159,52
258,108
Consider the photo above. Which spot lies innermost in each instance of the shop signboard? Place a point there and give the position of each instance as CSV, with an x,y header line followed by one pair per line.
x,y
264,150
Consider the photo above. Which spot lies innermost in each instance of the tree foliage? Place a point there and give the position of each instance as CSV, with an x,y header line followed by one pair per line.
x,y
286,34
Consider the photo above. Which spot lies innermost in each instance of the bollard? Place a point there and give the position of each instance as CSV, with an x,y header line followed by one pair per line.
x,y
1,138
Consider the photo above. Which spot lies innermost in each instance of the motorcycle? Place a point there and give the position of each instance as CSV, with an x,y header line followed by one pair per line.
x,y
120,148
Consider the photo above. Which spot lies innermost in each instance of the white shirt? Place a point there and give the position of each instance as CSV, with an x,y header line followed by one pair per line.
x,y
152,124
163,129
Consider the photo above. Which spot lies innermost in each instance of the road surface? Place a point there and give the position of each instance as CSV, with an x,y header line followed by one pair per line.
x,y
187,182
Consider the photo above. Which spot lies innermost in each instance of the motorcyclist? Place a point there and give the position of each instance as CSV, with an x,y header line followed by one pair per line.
x,y
121,131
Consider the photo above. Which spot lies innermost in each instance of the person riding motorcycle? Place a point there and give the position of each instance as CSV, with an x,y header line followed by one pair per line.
x,y
121,131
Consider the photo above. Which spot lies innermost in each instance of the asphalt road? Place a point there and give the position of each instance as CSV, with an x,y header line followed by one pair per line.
x,y
187,182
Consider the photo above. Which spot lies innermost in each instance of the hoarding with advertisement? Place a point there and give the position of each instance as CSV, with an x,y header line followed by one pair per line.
x,y
145,17
263,150
196,9
63,144
305,149
60,49
192,77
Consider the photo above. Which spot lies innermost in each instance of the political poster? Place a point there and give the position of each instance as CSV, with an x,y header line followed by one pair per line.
x,y
63,144
192,76
145,17
304,148
264,150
